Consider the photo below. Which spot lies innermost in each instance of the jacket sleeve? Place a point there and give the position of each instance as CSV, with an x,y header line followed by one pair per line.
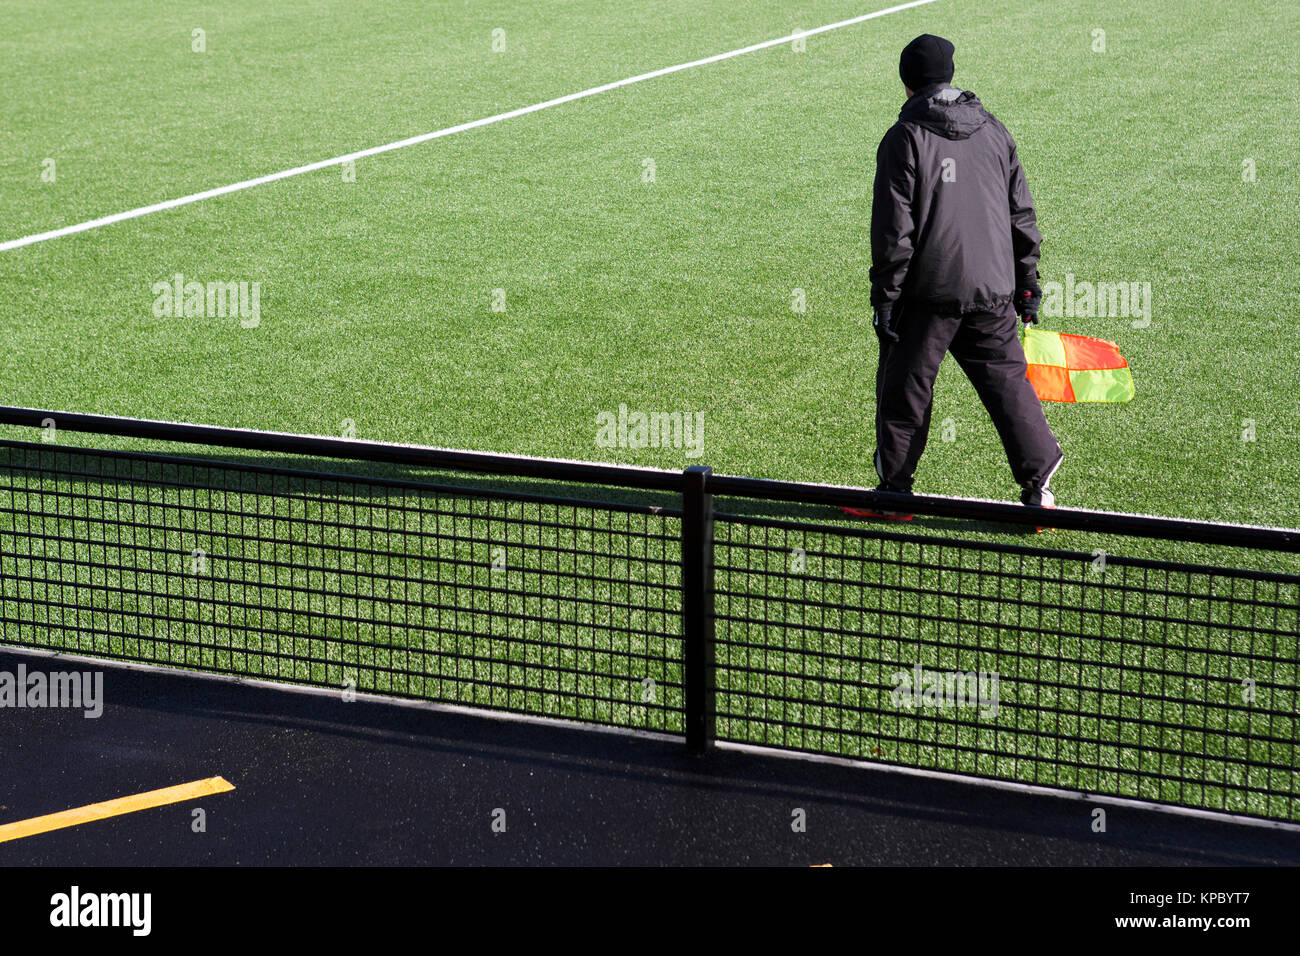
x,y
892,225
1026,240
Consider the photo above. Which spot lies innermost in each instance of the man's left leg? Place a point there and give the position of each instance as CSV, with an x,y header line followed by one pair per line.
x,y
988,349
905,394
904,400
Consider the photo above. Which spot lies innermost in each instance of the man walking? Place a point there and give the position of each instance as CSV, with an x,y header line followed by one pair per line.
x,y
954,246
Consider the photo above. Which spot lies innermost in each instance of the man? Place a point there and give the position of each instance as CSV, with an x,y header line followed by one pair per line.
x,y
954,246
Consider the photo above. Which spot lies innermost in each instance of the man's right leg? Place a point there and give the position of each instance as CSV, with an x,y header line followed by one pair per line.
x,y
905,392
989,351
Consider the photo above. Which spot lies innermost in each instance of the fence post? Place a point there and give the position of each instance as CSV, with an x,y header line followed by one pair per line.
x,y
697,606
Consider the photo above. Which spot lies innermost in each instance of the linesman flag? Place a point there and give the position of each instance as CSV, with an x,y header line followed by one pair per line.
x,y
1076,368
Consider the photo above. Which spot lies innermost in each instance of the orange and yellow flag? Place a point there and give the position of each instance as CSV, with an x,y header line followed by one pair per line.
x,y
1076,368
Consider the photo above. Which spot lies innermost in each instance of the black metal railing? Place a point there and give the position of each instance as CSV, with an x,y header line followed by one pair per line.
x,y
1147,679
699,616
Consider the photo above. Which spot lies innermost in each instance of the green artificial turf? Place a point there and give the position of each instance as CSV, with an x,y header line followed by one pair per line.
x,y
675,295
377,295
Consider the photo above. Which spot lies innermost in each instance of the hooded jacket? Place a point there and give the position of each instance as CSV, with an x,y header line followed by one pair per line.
x,y
952,221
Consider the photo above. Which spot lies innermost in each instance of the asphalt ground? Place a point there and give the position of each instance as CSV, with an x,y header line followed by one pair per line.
x,y
319,781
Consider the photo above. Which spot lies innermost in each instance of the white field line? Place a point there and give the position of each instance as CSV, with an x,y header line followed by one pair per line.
x,y
438,134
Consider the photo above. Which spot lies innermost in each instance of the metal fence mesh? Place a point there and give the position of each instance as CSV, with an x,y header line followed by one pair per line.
x,y
1111,675
520,603
1129,678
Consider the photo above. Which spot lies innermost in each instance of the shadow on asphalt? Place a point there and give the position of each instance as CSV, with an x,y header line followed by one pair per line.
x,y
642,797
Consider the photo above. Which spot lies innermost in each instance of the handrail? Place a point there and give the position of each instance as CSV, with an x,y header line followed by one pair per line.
x,y
659,479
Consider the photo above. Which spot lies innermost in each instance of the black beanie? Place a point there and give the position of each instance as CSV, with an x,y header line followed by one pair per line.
x,y
927,60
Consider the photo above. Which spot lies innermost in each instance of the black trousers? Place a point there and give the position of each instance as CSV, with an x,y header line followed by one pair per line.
x,y
987,347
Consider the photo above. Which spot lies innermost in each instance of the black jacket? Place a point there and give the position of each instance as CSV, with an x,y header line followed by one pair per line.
x,y
952,221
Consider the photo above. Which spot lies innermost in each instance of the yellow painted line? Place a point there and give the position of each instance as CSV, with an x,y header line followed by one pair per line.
x,y
112,808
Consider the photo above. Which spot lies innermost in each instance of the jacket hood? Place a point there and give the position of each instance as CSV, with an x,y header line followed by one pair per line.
x,y
945,110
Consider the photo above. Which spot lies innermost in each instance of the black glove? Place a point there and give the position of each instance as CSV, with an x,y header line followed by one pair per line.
x,y
1027,300
884,324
